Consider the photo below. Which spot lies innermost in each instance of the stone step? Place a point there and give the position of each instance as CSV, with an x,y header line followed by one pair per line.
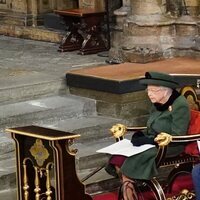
x,y
90,128
20,85
49,108
8,173
6,146
8,194
99,182
94,133
7,162
87,157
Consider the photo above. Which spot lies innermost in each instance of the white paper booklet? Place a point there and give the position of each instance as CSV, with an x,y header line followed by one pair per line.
x,y
125,148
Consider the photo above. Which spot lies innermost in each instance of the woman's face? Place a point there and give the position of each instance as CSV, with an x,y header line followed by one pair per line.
x,y
155,93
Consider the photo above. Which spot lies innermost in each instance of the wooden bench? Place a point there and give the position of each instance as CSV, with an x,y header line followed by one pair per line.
x,y
182,164
84,30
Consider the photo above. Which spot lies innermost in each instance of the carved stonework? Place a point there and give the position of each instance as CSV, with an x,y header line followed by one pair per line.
x,y
145,7
174,8
142,54
162,27
193,7
98,4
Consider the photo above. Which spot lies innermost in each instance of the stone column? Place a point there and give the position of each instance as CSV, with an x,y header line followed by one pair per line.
x,y
125,7
146,32
117,33
34,6
197,39
121,13
145,7
187,30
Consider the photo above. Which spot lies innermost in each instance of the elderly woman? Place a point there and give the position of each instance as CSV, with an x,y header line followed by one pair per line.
x,y
169,113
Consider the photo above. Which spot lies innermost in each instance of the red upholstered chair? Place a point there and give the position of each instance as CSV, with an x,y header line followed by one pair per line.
x,y
181,165
194,128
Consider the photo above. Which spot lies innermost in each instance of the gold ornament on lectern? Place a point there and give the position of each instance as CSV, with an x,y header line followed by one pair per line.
x,y
39,152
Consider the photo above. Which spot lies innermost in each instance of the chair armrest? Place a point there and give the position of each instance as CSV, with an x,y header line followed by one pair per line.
x,y
186,138
163,139
136,128
119,130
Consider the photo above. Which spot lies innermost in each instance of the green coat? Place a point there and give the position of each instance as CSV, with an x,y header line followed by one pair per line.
x,y
174,121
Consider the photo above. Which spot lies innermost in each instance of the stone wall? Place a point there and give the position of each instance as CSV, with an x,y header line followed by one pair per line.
x,y
41,6
155,29
132,108
30,12
98,4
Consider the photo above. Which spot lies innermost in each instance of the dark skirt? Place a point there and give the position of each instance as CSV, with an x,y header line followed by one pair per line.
x,y
140,166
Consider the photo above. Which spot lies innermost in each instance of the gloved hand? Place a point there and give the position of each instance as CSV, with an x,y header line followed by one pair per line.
x,y
139,139
137,134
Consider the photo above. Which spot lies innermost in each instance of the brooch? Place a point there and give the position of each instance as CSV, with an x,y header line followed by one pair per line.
x,y
170,108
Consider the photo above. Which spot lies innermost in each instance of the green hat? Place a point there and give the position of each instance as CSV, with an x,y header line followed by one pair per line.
x,y
160,79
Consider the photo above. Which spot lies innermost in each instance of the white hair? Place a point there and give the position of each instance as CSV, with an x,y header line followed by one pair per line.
x,y
168,91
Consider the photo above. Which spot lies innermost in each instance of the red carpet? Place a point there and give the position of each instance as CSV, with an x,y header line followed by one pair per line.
x,y
183,182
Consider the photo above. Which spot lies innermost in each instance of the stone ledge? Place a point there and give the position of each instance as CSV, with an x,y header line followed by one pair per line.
x,y
39,33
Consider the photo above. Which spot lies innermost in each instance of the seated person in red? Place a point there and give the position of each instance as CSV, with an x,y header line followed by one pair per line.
x,y
170,113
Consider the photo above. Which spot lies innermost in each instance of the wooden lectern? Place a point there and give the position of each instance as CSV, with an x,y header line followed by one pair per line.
x,y
46,165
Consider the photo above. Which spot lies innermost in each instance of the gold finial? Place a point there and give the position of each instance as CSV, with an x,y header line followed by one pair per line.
x,y
118,131
163,139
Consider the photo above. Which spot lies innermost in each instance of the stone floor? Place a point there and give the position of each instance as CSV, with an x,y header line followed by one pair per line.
x,y
19,56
